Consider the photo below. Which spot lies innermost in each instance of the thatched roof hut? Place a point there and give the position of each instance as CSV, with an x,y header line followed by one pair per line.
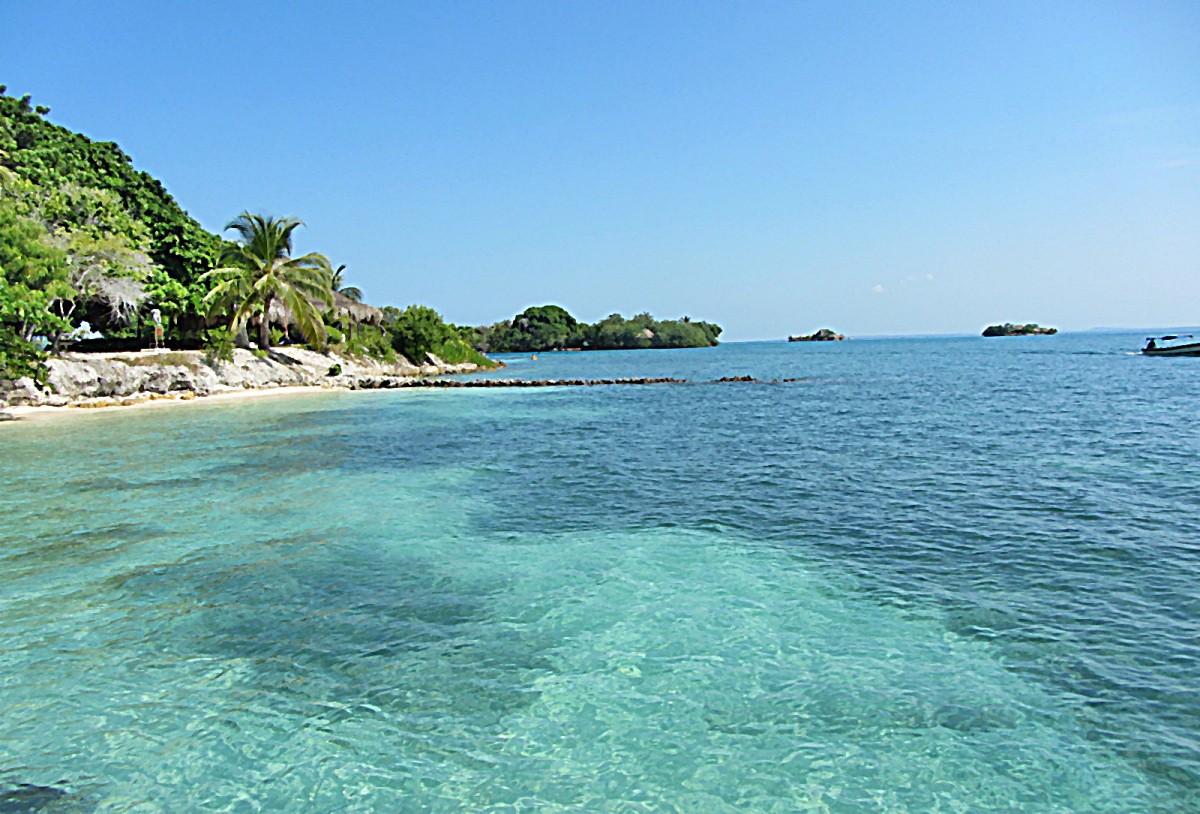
x,y
360,312
343,307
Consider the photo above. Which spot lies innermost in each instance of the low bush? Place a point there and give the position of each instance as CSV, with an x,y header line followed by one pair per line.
x,y
218,345
20,358
370,342
456,351
418,330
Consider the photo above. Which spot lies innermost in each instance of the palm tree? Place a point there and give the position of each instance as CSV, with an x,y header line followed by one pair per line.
x,y
259,270
349,292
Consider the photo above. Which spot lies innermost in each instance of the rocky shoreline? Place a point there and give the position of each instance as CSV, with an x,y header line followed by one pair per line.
x,y
102,381
126,379
392,382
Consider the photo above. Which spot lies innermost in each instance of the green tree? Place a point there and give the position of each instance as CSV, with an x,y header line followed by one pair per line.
x,y
338,284
542,327
416,331
258,270
548,327
74,177
33,274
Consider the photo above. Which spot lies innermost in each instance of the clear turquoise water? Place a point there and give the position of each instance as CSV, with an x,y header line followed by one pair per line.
x,y
938,575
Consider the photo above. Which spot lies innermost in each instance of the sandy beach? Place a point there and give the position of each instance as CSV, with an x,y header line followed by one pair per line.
x,y
40,413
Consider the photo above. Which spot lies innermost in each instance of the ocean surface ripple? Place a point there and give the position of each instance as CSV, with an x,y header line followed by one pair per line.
x,y
943,574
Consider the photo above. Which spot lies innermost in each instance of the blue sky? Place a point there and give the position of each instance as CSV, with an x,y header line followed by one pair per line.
x,y
879,168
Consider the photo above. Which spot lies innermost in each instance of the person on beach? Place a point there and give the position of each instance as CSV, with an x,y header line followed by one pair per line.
x,y
156,318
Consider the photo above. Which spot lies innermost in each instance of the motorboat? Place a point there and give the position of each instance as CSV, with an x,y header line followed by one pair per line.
x,y
1173,346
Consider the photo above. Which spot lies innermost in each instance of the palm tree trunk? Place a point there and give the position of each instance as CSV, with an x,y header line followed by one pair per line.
x,y
264,325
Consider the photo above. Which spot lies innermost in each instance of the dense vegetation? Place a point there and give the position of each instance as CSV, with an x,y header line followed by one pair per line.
x,y
101,213
550,327
419,330
85,237
1009,329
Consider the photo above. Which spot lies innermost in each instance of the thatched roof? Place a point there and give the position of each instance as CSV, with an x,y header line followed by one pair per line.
x,y
357,311
343,306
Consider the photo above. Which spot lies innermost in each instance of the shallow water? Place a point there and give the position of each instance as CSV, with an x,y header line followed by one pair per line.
x,y
937,575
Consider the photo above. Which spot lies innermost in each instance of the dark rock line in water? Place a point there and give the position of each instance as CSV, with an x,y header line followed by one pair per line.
x,y
390,382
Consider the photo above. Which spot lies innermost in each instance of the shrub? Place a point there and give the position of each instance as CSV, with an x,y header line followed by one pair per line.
x,y
369,341
334,370
20,358
457,350
218,344
418,330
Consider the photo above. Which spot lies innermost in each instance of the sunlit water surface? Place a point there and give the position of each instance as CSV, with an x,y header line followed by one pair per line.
x,y
936,575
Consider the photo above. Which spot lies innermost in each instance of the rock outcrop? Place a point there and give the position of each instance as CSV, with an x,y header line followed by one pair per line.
x,y
823,335
1009,329
126,377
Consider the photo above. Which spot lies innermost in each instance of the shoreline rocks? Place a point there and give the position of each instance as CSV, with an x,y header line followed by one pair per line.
x,y
118,379
392,382
92,381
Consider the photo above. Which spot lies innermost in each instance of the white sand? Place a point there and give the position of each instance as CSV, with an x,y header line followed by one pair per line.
x,y
172,400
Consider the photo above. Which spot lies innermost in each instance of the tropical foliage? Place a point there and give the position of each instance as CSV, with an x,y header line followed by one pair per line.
x,y
337,283
91,187
542,327
258,271
84,237
550,327
369,341
418,331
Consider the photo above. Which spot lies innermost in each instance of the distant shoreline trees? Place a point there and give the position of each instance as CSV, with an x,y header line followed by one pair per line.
x,y
551,327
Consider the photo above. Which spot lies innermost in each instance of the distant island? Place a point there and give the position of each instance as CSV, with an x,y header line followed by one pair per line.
x,y
551,327
1009,329
823,335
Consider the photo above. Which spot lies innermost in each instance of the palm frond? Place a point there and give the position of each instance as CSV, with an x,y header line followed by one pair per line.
x,y
305,313
258,270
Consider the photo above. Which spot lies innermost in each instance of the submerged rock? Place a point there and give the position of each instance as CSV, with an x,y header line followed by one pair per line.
x,y
27,797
